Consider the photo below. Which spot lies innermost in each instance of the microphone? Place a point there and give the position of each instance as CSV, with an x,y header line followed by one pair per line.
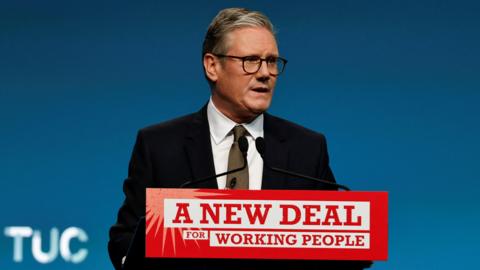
x,y
243,145
260,145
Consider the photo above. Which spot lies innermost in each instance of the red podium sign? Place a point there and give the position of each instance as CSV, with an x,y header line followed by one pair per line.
x,y
266,224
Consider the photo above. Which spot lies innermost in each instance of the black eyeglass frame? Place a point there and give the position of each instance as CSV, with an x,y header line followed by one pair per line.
x,y
258,58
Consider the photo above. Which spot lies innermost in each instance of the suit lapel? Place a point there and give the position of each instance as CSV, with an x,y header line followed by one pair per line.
x,y
276,153
199,150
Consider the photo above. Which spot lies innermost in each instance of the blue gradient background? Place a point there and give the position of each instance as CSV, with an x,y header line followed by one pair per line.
x,y
393,85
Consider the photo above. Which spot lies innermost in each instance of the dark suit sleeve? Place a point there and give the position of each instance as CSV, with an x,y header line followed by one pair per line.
x,y
139,175
323,168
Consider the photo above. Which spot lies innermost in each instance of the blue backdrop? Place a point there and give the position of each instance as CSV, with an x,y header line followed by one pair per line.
x,y
393,85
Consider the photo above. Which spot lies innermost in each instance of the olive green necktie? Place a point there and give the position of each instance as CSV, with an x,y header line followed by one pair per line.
x,y
237,180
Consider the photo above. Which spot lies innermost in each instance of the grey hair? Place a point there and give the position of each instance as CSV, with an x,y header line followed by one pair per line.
x,y
228,20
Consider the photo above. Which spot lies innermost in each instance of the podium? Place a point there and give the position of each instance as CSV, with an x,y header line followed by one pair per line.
x,y
244,229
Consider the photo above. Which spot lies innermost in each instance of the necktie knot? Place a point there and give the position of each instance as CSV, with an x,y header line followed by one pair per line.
x,y
238,131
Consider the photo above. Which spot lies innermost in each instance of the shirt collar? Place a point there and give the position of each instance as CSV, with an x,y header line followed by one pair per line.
x,y
220,125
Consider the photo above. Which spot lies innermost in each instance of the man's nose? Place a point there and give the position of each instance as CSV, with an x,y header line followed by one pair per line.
x,y
263,73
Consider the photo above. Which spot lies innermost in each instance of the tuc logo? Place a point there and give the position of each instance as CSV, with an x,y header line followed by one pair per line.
x,y
59,244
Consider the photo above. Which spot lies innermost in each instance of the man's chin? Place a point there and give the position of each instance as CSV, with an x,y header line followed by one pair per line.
x,y
258,105
258,110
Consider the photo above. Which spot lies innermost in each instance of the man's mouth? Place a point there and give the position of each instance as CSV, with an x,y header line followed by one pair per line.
x,y
261,89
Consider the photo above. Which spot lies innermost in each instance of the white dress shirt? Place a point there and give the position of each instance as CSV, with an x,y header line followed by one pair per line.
x,y
221,138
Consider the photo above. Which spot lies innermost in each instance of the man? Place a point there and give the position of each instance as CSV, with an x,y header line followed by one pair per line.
x,y
241,63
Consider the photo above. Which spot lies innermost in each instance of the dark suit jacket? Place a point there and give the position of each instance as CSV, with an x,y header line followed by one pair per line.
x,y
168,154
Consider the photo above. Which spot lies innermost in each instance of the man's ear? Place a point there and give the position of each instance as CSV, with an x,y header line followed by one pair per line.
x,y
211,66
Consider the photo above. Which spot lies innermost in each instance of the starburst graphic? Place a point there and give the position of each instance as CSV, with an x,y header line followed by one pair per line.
x,y
155,215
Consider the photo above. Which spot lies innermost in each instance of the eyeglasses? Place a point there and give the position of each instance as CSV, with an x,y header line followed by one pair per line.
x,y
251,64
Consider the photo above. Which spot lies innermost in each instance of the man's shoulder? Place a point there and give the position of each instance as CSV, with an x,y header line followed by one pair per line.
x,y
172,128
171,124
290,129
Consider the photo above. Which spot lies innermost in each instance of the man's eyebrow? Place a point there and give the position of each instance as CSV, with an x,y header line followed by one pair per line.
x,y
257,55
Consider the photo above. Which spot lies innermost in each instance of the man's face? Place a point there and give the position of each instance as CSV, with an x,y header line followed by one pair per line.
x,y
238,95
